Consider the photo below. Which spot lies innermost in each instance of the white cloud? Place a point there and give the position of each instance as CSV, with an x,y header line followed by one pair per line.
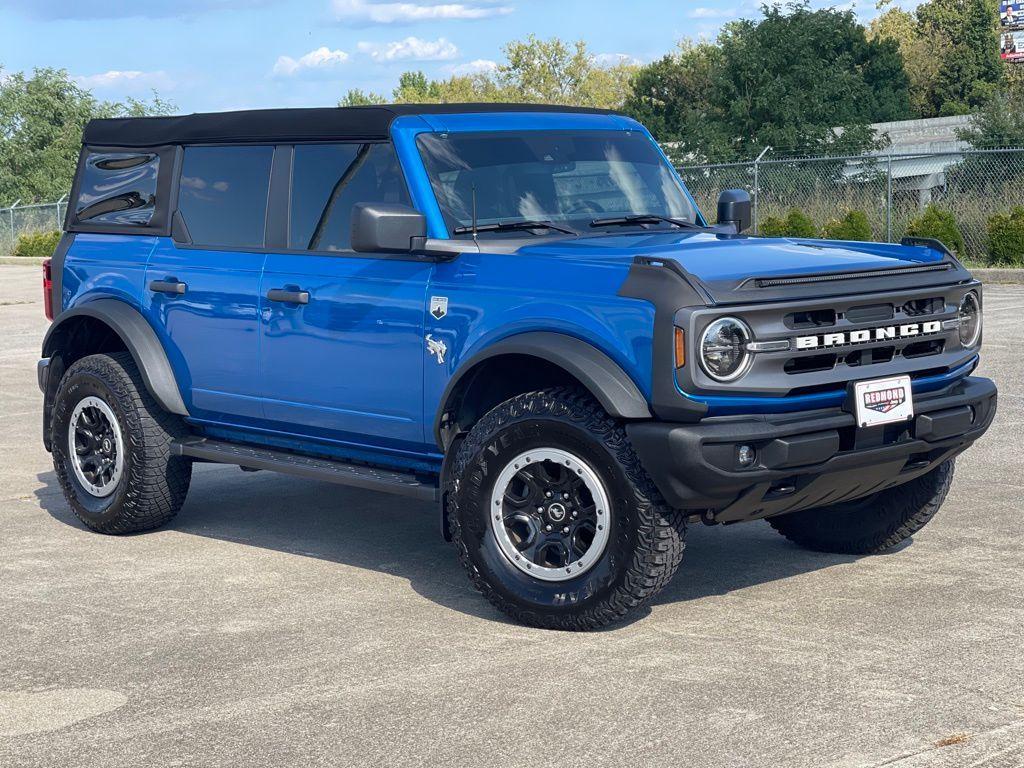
x,y
363,11
321,59
475,67
128,80
612,59
410,49
710,13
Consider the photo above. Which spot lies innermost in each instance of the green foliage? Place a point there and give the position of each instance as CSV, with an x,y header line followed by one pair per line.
x,y
940,225
359,98
534,71
36,244
786,81
1006,238
41,122
853,225
795,224
999,123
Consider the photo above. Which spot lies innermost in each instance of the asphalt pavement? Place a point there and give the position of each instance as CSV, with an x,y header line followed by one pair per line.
x,y
282,622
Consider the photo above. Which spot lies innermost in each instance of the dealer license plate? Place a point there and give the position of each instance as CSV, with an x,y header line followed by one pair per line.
x,y
883,401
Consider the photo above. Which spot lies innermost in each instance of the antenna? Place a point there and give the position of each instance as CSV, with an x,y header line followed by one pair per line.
x,y
474,212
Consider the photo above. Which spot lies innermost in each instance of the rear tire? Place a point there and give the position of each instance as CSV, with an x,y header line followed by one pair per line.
x,y
871,525
554,519
112,448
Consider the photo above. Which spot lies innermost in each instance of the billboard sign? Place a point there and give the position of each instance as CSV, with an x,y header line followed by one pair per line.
x,y
1011,45
1011,15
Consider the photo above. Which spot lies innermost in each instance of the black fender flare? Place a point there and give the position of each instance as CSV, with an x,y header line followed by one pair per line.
x,y
617,393
139,338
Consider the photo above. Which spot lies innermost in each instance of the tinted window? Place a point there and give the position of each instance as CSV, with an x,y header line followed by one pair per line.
x,y
223,194
327,180
118,188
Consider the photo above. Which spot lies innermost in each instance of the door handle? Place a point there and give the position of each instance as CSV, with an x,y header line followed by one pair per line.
x,y
170,285
288,297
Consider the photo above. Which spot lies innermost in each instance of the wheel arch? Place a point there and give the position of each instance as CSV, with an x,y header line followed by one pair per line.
x,y
92,327
550,359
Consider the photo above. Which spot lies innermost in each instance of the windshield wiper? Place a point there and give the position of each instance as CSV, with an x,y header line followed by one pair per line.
x,y
508,226
643,218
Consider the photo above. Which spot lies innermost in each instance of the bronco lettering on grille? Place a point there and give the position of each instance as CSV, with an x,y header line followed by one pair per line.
x,y
862,336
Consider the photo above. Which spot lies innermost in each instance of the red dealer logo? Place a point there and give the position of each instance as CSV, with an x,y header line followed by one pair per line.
x,y
884,400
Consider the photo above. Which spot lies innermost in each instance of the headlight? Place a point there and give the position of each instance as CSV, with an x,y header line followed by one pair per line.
x,y
969,316
723,349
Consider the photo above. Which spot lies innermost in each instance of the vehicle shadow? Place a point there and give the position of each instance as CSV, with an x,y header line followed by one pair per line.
x,y
400,537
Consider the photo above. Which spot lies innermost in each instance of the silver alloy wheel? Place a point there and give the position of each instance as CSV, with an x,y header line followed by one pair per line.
x,y
549,514
95,446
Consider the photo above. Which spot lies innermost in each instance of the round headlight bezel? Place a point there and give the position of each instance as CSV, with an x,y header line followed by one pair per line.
x,y
747,358
969,297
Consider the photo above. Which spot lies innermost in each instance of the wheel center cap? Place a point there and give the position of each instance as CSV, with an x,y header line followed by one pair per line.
x,y
106,445
556,512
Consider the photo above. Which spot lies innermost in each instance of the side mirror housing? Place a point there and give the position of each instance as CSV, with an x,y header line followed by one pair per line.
x,y
734,208
386,228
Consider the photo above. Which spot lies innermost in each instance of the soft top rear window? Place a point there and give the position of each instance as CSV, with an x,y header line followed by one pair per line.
x,y
118,188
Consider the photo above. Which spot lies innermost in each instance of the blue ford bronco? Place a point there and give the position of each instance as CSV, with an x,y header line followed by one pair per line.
x,y
516,312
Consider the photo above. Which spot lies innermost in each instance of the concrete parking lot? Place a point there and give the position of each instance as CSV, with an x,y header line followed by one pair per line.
x,y
283,622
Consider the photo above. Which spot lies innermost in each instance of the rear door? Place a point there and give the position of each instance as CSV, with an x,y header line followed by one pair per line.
x,y
203,296
342,343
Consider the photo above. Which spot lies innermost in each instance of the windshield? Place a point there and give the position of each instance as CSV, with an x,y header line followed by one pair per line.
x,y
570,179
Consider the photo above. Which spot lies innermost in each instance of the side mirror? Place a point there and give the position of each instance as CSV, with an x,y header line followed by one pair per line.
x,y
386,227
734,208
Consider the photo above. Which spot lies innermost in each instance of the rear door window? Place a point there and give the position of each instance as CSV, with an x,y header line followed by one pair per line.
x,y
118,188
328,180
222,195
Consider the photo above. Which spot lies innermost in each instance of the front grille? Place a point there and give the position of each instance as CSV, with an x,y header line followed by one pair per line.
x,y
851,340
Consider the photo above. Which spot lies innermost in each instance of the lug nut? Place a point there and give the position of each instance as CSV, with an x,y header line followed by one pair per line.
x,y
565,530
565,495
540,510
547,527
548,494
574,514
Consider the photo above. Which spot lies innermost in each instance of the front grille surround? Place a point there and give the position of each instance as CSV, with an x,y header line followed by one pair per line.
x,y
783,372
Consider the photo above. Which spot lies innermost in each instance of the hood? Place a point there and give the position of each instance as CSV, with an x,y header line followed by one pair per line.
x,y
733,268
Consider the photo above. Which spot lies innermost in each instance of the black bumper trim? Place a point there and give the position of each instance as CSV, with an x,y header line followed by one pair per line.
x,y
806,460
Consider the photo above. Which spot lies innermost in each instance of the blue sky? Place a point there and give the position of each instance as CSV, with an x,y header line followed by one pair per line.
x,y
237,54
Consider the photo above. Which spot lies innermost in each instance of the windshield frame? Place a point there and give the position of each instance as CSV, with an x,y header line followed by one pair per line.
x,y
582,224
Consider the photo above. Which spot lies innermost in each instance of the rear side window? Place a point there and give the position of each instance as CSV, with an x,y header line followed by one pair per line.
x,y
222,194
118,188
328,180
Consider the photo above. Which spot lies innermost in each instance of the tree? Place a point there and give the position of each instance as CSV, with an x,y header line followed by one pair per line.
x,y
788,81
41,121
358,98
924,52
534,71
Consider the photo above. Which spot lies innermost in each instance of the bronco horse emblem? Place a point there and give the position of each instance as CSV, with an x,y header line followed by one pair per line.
x,y
437,348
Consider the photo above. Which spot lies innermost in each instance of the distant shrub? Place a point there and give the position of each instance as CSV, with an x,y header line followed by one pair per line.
x,y
940,225
852,226
1006,238
796,224
37,244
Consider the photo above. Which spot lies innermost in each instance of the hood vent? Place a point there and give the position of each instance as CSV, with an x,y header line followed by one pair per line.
x,y
777,282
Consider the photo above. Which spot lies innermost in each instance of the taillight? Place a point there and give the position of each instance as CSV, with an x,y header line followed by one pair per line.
x,y
47,290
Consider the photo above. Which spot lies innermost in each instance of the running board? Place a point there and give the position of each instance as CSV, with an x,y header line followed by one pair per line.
x,y
356,475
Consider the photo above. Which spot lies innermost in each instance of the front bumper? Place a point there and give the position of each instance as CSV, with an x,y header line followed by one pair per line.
x,y
806,459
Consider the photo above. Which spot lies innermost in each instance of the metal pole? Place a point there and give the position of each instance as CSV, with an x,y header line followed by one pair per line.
x,y
888,201
13,238
757,184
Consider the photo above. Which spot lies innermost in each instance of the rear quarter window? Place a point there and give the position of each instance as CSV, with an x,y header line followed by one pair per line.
x,y
118,188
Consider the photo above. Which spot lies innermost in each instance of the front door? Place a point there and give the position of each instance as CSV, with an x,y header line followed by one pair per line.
x,y
342,345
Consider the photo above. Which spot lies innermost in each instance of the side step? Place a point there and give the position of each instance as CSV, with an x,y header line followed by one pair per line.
x,y
250,457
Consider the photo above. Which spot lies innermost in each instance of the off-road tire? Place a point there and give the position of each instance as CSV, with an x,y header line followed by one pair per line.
x,y
645,542
153,484
872,525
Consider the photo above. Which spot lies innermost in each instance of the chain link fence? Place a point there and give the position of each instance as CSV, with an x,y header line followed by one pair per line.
x,y
890,189
26,219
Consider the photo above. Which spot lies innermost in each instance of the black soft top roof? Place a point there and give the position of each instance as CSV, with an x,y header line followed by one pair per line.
x,y
329,123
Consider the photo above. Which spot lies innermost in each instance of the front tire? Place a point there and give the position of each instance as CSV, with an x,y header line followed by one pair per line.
x,y
554,518
112,448
871,525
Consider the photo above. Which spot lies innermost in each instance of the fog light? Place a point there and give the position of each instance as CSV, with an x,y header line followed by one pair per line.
x,y
745,455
